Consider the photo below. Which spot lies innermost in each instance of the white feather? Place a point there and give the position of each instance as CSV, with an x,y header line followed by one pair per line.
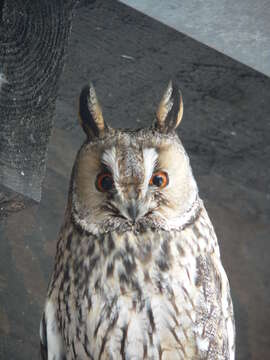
x,y
225,305
135,337
109,158
202,343
54,339
150,157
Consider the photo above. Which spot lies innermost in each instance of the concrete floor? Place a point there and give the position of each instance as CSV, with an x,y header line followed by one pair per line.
x,y
130,58
240,29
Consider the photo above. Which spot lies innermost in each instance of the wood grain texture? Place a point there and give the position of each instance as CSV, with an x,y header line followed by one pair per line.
x,y
33,42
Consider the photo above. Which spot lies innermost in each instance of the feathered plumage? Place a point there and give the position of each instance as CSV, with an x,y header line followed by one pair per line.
x,y
137,271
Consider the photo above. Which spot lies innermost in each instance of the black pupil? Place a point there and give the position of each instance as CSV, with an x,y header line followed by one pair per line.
x,y
106,183
157,180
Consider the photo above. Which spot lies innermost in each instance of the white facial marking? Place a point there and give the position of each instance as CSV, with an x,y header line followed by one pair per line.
x,y
149,159
110,160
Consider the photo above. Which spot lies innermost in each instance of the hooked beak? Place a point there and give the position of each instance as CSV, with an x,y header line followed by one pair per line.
x,y
132,211
131,207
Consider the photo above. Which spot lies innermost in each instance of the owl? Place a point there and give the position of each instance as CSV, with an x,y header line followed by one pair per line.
x,y
137,271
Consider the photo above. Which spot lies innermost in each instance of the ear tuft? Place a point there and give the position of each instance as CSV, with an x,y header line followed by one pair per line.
x,y
170,110
90,113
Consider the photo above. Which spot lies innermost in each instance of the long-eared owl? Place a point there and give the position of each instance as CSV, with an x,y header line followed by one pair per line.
x,y
137,271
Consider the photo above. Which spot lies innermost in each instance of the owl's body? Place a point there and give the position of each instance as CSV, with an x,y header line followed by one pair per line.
x,y
137,272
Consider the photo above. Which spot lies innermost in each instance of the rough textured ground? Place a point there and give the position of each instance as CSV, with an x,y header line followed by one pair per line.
x,y
130,58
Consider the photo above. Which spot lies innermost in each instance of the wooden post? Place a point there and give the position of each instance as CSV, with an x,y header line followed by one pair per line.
x,y
33,41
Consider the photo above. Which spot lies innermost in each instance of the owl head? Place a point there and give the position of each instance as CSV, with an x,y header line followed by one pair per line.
x,y
127,179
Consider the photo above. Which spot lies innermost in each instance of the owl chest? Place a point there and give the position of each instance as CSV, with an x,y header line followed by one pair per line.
x,y
137,300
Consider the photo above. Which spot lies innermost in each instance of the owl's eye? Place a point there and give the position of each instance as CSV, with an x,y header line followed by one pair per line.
x,y
104,182
159,179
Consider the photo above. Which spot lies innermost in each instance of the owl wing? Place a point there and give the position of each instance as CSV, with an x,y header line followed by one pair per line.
x,y
215,326
43,339
51,342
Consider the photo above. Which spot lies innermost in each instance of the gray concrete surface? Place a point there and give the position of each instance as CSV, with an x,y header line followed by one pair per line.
x,y
237,28
225,129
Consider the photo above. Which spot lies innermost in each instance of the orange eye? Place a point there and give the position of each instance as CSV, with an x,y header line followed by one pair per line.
x,y
104,182
159,179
